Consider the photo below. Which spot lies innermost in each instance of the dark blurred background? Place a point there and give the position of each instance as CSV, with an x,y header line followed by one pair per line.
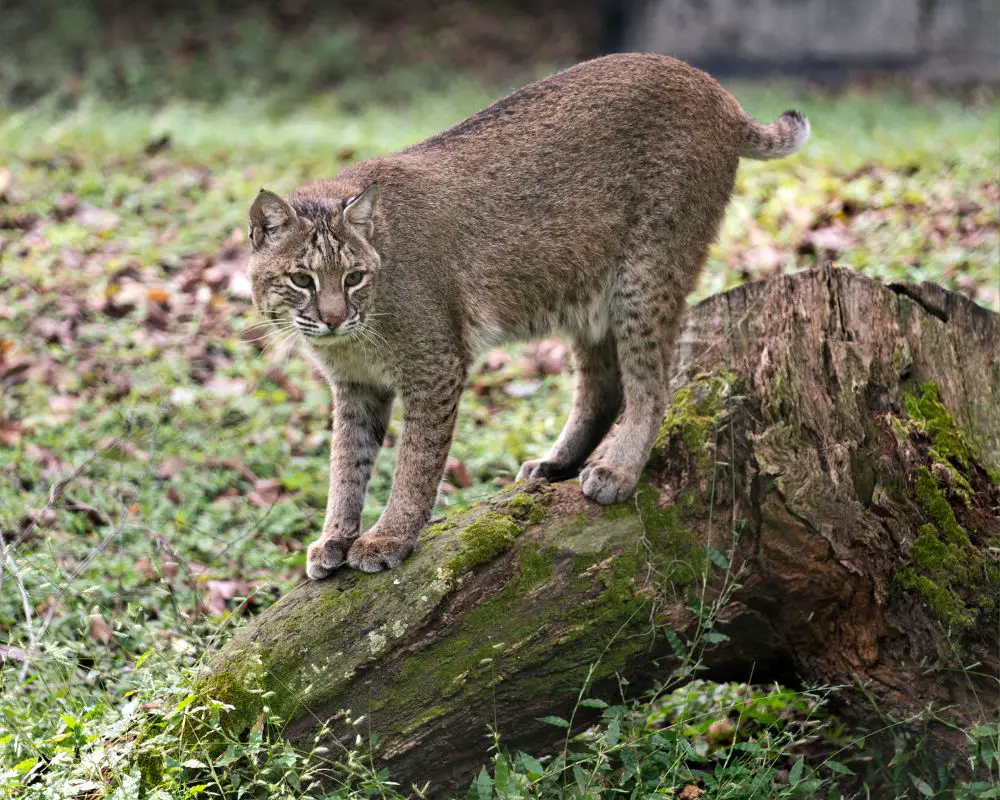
x,y
154,49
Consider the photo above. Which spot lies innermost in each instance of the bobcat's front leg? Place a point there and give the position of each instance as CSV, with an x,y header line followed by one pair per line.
x,y
428,425
360,417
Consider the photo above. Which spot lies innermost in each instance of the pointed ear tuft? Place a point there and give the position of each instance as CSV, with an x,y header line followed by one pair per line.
x,y
360,209
270,219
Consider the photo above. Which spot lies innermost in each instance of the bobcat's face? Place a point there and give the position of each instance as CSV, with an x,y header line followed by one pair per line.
x,y
313,271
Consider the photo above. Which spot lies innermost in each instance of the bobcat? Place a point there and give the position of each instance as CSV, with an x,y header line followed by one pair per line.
x,y
582,204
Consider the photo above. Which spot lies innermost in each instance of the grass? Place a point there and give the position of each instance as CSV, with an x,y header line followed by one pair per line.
x,y
160,477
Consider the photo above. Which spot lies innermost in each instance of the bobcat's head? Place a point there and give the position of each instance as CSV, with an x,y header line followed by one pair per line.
x,y
313,269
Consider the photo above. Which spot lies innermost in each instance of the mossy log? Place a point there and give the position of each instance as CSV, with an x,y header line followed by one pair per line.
x,y
836,438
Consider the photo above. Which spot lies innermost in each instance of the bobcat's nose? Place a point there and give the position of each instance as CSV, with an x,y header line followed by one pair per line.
x,y
332,310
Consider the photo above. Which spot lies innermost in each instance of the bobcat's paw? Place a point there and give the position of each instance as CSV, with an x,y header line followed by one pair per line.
x,y
374,553
325,555
605,485
546,470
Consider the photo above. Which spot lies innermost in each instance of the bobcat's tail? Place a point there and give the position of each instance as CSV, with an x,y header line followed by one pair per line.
x,y
778,139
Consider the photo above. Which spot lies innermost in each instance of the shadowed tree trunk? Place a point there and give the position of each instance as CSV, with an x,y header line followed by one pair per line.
x,y
838,439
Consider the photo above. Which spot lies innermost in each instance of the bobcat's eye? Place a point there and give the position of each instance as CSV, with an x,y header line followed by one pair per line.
x,y
302,279
352,279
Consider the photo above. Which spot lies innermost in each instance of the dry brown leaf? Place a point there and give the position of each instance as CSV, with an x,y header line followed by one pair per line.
x,y
221,592
226,387
10,433
157,294
10,652
522,388
265,493
146,568
548,357
721,731
830,241
66,205
64,404
98,219
457,473
100,630
495,359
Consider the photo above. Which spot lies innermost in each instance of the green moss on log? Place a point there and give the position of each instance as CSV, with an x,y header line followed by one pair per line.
x,y
957,581
492,627
483,540
526,508
667,528
695,415
927,414
150,764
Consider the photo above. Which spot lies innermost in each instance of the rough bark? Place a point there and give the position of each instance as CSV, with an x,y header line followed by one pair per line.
x,y
838,438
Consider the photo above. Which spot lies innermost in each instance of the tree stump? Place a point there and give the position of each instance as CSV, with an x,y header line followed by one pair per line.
x,y
837,439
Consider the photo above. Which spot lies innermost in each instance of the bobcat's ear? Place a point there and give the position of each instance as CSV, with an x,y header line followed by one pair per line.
x,y
360,209
270,219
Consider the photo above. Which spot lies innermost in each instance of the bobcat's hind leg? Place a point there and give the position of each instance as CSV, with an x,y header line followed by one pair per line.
x,y
646,315
597,400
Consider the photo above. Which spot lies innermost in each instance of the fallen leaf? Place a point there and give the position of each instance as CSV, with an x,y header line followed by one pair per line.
x,y
182,396
722,731
23,221
10,433
13,374
221,592
55,330
65,206
226,387
97,219
157,294
94,514
547,357
522,388
830,241
457,473
10,652
157,314
170,467
265,493
495,359
100,630
64,404
228,498
40,518
145,568
42,455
